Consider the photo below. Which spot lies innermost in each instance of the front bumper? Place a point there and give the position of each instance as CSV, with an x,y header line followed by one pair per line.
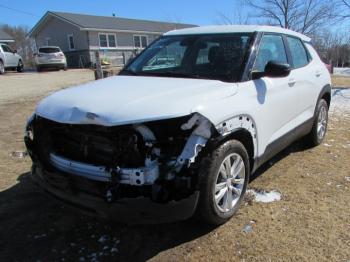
x,y
126,210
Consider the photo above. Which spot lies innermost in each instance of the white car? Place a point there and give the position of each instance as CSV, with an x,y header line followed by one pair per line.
x,y
9,59
161,144
50,57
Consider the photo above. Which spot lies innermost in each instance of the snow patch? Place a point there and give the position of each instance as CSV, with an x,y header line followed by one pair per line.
x,y
340,101
344,71
265,196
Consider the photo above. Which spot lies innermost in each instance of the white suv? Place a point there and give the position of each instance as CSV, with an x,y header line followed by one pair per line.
x,y
9,59
157,143
50,57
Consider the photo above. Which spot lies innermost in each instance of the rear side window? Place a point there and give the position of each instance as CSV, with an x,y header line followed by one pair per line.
x,y
271,49
298,52
49,50
6,49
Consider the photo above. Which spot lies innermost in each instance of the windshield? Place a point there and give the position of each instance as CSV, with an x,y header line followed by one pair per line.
x,y
218,57
49,50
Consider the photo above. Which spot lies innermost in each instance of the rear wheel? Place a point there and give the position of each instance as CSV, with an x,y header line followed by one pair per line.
x,y
319,128
2,68
223,180
20,66
38,68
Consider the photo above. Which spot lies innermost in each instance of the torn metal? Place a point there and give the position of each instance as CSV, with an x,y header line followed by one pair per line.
x,y
154,156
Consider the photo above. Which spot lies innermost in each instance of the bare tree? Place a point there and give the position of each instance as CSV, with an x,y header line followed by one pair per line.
x,y
22,44
238,18
304,16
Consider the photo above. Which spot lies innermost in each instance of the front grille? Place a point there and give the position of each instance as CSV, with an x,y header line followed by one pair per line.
x,y
97,145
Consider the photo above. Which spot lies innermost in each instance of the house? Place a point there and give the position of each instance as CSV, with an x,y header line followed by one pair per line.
x,y
80,36
6,38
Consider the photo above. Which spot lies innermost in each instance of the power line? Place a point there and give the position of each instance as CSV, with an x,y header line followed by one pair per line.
x,y
17,10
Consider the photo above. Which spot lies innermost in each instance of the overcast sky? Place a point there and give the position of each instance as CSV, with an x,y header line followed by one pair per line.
x,y
200,12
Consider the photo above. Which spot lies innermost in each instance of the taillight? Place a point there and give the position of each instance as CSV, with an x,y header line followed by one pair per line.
x,y
60,54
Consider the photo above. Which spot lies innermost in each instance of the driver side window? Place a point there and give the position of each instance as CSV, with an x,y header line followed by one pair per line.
x,y
271,48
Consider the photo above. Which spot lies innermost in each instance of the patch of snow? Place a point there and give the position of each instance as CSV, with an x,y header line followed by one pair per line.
x,y
265,196
327,145
340,102
344,71
347,178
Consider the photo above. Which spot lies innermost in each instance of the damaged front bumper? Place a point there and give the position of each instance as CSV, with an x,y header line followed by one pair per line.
x,y
139,210
157,186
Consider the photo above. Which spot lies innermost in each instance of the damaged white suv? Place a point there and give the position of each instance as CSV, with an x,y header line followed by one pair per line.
x,y
183,126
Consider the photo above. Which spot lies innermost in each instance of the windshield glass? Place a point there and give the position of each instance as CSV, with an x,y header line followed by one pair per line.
x,y
49,50
218,56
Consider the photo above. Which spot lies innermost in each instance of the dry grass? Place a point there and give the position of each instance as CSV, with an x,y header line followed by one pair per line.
x,y
340,81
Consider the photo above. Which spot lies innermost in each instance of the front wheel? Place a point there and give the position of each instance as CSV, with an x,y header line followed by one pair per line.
x,y
20,66
319,128
223,179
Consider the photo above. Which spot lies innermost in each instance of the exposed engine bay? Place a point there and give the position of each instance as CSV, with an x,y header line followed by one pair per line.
x,y
156,160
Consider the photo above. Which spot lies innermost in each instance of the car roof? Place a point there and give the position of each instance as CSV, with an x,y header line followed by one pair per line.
x,y
237,29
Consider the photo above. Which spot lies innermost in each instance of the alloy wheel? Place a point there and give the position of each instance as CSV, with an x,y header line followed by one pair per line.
x,y
229,183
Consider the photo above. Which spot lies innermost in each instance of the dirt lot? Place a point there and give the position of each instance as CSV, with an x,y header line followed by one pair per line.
x,y
310,223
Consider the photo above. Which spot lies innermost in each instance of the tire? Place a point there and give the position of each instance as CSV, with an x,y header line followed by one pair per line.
x,y
319,128
20,66
211,179
2,68
38,68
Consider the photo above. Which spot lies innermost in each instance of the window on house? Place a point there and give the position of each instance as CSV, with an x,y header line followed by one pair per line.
x,y
140,41
107,40
71,42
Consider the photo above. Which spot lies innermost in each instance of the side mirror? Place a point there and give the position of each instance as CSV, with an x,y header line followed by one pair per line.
x,y
276,69
273,69
15,51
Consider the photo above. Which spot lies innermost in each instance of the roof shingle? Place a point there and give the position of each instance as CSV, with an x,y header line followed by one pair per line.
x,y
118,23
5,36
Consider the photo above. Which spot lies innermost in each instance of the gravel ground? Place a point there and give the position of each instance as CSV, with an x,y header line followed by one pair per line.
x,y
309,223
19,87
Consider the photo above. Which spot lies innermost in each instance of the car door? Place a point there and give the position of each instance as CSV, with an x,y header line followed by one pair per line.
x,y
305,74
277,96
10,57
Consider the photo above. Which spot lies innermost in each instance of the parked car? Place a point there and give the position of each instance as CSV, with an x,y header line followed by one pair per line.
x,y
50,57
9,59
163,144
329,67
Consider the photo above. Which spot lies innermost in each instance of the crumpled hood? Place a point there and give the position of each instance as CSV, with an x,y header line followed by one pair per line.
x,y
130,99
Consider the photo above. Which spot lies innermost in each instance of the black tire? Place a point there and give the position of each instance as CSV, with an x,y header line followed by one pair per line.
x,y
208,211
2,68
38,68
20,66
314,138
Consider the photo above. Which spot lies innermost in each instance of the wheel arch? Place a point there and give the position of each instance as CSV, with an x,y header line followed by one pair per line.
x,y
326,95
243,129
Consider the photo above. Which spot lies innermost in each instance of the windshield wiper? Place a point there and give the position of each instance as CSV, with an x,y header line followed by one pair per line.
x,y
128,71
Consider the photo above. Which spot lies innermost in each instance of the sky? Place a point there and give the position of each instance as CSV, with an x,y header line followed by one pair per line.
x,y
200,12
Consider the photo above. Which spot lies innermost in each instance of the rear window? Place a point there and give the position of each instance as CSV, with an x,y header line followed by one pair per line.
x,y
48,50
298,52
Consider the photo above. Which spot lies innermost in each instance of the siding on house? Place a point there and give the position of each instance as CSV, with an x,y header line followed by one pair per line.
x,y
125,41
58,31
57,26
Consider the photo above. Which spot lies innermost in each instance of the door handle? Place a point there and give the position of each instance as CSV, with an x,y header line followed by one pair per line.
x,y
318,73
